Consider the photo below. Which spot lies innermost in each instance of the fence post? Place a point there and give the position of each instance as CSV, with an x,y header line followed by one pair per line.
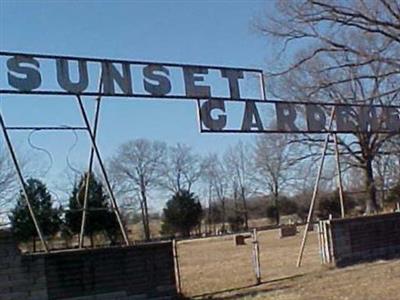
x,y
176,266
321,242
256,257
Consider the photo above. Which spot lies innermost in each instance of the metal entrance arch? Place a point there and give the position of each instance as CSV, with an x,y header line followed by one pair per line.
x,y
24,77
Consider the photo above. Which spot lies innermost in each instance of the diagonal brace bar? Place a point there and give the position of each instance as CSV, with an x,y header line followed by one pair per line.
x,y
88,174
22,182
90,167
316,189
103,170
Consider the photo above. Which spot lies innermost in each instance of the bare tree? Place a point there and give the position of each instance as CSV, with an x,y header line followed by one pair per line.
x,y
216,177
137,167
345,52
329,26
8,182
239,164
274,158
208,179
181,169
387,167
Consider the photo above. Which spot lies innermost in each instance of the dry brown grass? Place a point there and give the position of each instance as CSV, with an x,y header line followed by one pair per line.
x,y
215,268
216,264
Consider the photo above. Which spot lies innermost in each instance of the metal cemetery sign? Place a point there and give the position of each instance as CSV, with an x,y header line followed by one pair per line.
x,y
223,104
297,117
228,100
67,75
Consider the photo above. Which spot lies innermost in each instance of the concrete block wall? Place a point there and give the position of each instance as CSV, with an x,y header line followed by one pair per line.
x,y
124,273
21,277
365,238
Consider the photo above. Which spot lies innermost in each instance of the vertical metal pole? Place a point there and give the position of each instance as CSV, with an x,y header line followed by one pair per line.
x,y
315,193
320,243
103,170
256,257
199,116
262,82
330,243
326,242
339,176
90,167
176,265
22,182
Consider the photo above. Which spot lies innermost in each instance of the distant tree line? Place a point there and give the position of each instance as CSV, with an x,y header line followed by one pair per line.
x,y
264,179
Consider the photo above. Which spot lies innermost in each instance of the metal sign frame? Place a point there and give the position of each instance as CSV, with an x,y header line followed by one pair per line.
x,y
348,119
92,130
108,74
94,152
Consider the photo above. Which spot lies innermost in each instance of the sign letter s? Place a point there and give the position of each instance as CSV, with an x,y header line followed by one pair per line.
x,y
23,65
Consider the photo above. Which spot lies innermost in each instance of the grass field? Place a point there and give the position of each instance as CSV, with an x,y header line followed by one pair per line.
x,y
216,268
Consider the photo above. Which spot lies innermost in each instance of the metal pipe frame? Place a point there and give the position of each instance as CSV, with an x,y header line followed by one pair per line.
x,y
103,170
202,130
315,192
263,91
339,176
122,61
45,128
90,167
184,97
22,182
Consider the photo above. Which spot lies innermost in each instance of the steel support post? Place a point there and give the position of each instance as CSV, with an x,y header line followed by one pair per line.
x,y
256,257
315,192
89,172
262,82
22,182
339,175
177,267
103,170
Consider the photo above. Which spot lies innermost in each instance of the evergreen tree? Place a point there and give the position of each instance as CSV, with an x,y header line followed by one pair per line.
x,y
47,216
99,216
182,213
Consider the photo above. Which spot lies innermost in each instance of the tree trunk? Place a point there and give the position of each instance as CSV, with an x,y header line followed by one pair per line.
x,y
144,221
276,203
209,212
223,215
235,201
246,215
34,244
145,212
371,205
